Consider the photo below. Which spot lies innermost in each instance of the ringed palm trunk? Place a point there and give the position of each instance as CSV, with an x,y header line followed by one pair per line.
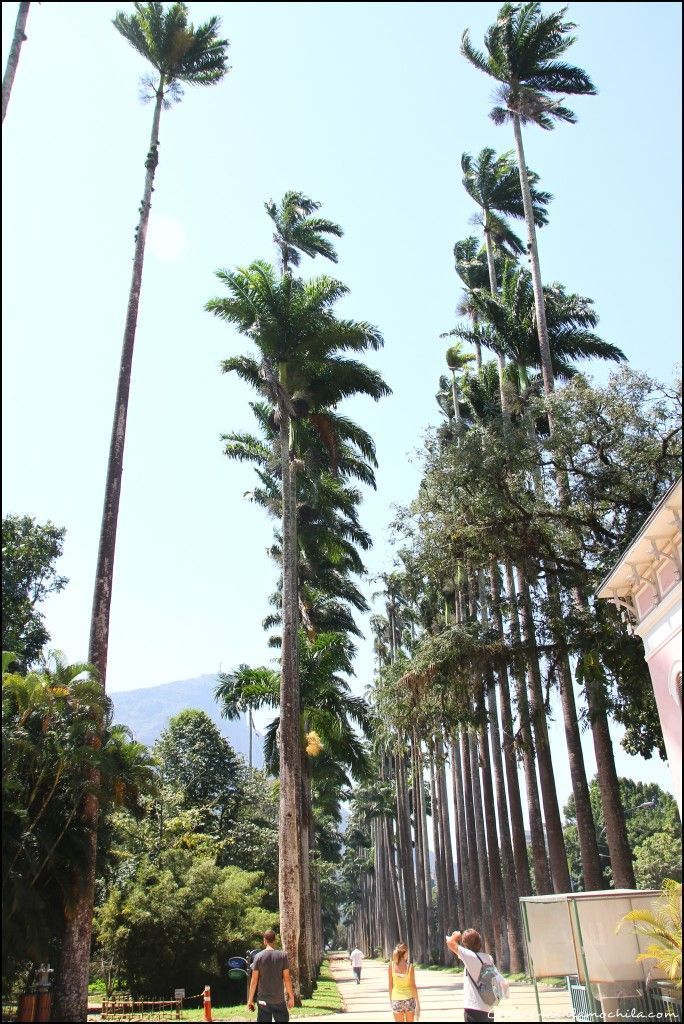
x,y
307,967
486,900
539,308
473,859
13,58
289,823
71,989
423,942
508,873
440,875
517,822
431,937
405,851
464,882
558,859
499,915
540,863
586,828
500,358
445,829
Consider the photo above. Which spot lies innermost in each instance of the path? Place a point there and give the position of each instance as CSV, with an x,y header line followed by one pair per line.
x,y
441,997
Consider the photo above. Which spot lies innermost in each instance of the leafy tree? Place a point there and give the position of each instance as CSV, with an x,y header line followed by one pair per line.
x,y
29,553
653,829
200,764
175,926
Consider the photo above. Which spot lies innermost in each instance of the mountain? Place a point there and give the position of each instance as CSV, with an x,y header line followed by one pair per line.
x,y
147,712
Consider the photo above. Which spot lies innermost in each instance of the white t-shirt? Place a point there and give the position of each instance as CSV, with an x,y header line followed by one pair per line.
x,y
356,958
473,966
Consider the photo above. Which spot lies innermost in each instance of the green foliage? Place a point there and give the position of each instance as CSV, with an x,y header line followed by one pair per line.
x,y
179,51
200,764
59,747
653,831
29,553
175,926
523,50
663,925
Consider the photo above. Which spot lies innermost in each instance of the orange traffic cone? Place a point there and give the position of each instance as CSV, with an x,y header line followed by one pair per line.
x,y
207,1003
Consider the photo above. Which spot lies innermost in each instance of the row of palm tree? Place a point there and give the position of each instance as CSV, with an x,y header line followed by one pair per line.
x,y
508,590
523,51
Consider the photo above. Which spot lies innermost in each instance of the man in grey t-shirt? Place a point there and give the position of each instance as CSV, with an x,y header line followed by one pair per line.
x,y
270,981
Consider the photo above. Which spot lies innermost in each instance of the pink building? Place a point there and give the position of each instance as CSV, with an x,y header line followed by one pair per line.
x,y
647,583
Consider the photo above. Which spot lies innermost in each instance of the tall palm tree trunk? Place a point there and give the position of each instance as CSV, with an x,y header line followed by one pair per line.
x,y
586,828
486,887
464,883
533,252
499,923
99,624
611,801
554,830
405,851
473,858
540,863
307,968
500,358
13,58
395,917
431,936
423,938
289,824
510,884
71,989
517,822
616,832
445,832
440,876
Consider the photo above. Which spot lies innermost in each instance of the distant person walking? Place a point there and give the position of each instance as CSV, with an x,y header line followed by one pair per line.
x,y
401,979
270,982
356,957
483,986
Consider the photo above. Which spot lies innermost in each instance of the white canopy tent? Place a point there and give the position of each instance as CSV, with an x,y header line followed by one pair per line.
x,y
574,935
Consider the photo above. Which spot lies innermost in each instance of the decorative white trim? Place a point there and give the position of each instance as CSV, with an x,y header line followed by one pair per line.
x,y
671,603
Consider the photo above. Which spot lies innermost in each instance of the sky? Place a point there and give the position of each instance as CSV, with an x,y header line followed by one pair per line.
x,y
367,108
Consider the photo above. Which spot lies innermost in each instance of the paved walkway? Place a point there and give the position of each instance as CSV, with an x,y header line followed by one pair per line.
x,y
441,997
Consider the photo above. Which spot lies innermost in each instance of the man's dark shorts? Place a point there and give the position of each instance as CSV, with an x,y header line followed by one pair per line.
x,y
272,1012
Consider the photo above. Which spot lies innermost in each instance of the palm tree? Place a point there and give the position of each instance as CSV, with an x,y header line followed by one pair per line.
x,y
302,373
457,361
179,53
523,50
663,925
510,323
298,231
494,184
18,38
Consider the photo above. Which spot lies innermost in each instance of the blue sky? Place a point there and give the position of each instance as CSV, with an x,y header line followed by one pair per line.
x,y
365,107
